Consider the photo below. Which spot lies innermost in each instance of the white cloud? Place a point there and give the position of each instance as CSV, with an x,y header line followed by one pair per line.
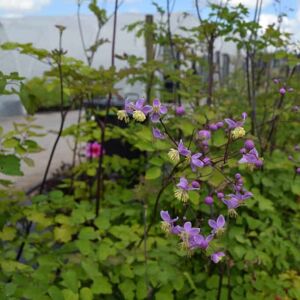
x,y
250,3
20,7
290,25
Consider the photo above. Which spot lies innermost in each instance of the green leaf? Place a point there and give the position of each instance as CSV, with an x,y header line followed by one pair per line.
x,y
127,288
88,233
63,233
70,280
295,186
86,294
55,293
101,285
105,249
69,295
28,161
8,234
164,294
10,165
153,173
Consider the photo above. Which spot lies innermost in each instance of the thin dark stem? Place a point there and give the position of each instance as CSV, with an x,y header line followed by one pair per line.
x,y
100,173
63,114
162,189
220,282
81,31
227,148
167,133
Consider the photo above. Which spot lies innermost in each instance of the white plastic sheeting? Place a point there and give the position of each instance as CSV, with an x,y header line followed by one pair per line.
x,y
41,32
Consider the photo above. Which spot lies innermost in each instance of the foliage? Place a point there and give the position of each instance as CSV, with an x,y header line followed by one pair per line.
x,y
71,252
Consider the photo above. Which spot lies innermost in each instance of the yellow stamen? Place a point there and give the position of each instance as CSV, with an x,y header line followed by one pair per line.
x,y
238,132
181,195
139,116
174,155
122,115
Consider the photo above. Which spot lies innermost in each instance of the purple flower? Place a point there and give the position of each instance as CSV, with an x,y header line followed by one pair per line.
x,y
234,124
158,134
298,170
276,80
139,105
183,187
196,162
168,223
217,256
206,161
233,201
138,110
183,150
251,158
199,241
180,110
204,134
157,110
218,225
188,230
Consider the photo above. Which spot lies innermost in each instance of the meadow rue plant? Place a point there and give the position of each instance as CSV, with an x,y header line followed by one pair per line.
x,y
190,236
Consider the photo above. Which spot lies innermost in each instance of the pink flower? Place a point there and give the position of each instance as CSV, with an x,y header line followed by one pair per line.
x,y
93,149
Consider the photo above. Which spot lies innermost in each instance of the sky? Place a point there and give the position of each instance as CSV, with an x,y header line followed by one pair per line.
x,y
19,8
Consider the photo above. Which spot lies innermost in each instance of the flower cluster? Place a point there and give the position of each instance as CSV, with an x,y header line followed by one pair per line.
x,y
236,127
190,236
283,88
250,155
139,111
196,160
234,200
193,159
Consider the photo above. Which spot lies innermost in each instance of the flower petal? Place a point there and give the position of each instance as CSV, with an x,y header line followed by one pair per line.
x,y
156,103
165,216
212,223
220,221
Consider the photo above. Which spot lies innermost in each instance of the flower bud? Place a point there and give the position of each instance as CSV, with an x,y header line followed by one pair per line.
x,y
204,134
209,200
282,91
243,151
180,110
238,176
249,145
220,124
220,195
195,184
213,127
